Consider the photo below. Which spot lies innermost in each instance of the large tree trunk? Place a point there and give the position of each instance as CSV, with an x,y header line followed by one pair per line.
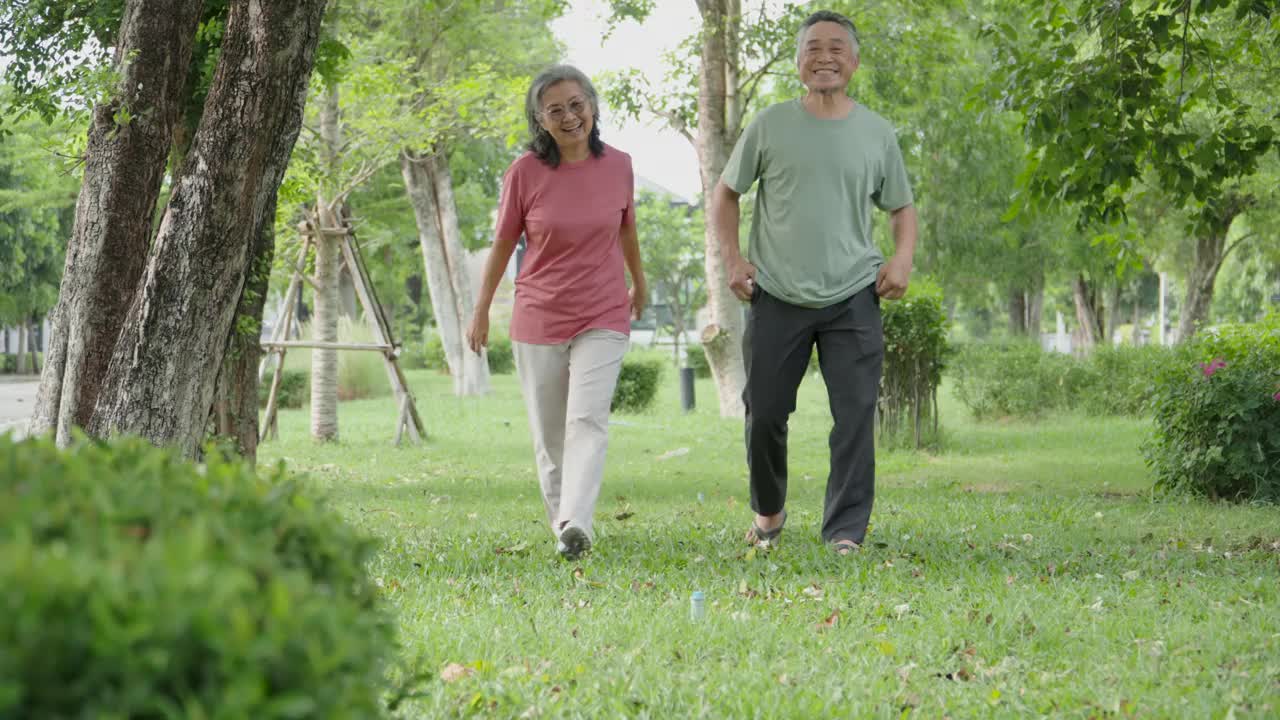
x,y
475,367
1211,251
324,328
124,165
160,381
420,184
237,394
722,338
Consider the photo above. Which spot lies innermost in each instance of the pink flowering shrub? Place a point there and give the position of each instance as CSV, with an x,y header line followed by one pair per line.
x,y
1216,408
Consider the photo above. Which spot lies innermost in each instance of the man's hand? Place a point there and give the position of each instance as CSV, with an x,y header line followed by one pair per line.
x,y
742,279
891,282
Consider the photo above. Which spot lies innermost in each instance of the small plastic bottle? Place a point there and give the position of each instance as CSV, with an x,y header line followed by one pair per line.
x,y
697,605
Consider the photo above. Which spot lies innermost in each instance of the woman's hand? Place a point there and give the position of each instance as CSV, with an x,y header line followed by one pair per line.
x,y
478,332
639,295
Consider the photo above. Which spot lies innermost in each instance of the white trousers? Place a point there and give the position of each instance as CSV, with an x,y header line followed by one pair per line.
x,y
568,389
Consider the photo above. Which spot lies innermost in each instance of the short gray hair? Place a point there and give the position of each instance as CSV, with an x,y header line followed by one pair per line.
x,y
540,141
831,17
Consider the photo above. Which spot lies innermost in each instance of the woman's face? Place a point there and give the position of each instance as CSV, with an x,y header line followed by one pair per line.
x,y
565,112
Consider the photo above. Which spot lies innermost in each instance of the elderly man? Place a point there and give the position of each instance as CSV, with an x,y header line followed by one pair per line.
x,y
813,274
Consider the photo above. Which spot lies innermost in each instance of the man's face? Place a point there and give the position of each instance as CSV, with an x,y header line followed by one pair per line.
x,y
826,58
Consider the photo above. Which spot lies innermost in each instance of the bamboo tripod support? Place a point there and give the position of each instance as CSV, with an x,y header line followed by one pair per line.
x,y
326,222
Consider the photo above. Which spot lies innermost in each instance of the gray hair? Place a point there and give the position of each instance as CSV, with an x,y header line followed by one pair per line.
x,y
540,141
831,17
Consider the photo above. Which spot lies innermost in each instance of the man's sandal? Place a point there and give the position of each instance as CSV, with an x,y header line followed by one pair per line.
x,y
760,537
844,547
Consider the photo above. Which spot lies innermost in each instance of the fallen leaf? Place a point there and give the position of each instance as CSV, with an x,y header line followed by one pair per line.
x,y
673,453
623,515
453,672
745,591
902,609
830,620
517,548
813,591
1131,575
904,672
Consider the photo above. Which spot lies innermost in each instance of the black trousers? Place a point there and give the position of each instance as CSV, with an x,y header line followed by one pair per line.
x,y
776,347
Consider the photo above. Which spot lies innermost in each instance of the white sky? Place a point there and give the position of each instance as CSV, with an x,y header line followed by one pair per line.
x,y
657,152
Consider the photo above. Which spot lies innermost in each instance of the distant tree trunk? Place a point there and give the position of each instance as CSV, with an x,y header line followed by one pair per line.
x,y
21,368
107,251
1035,305
1086,313
1211,250
33,344
424,190
475,365
160,382
719,118
237,395
324,328
1017,311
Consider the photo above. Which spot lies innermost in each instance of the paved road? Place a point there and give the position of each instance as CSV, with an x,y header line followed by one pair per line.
x,y
17,396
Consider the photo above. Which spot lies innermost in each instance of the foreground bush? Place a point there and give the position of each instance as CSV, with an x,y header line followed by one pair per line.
x,y
133,584
1217,415
637,384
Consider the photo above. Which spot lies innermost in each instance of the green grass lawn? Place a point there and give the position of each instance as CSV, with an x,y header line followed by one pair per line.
x,y
1025,571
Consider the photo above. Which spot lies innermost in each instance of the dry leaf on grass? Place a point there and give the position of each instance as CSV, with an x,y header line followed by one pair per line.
x,y
830,621
454,672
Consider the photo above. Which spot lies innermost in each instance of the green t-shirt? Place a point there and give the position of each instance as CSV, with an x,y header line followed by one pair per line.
x,y
811,238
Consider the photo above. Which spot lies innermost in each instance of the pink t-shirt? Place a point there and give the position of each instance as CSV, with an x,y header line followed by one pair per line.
x,y
572,276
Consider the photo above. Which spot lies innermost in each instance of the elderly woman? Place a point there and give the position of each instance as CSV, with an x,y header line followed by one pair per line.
x,y
570,196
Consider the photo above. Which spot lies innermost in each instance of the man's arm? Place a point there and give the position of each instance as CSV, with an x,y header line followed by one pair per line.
x,y
724,217
891,283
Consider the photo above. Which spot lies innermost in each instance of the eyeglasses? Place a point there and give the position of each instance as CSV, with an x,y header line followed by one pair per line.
x,y
556,113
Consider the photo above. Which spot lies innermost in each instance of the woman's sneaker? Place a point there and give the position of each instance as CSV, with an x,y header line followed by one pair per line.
x,y
573,543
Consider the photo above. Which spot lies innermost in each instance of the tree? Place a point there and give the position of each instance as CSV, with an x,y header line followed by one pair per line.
x,y
1114,93
172,299
37,196
672,252
129,141
735,54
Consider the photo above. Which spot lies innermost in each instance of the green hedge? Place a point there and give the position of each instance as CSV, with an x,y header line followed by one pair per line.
x,y
697,359
637,384
1217,415
1021,380
915,352
135,584
295,388
1015,379
502,360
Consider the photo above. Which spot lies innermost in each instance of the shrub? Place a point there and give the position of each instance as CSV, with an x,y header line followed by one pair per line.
x,y
1015,379
435,356
413,356
295,388
915,351
697,359
1217,415
361,373
8,363
1121,380
637,384
135,584
502,360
